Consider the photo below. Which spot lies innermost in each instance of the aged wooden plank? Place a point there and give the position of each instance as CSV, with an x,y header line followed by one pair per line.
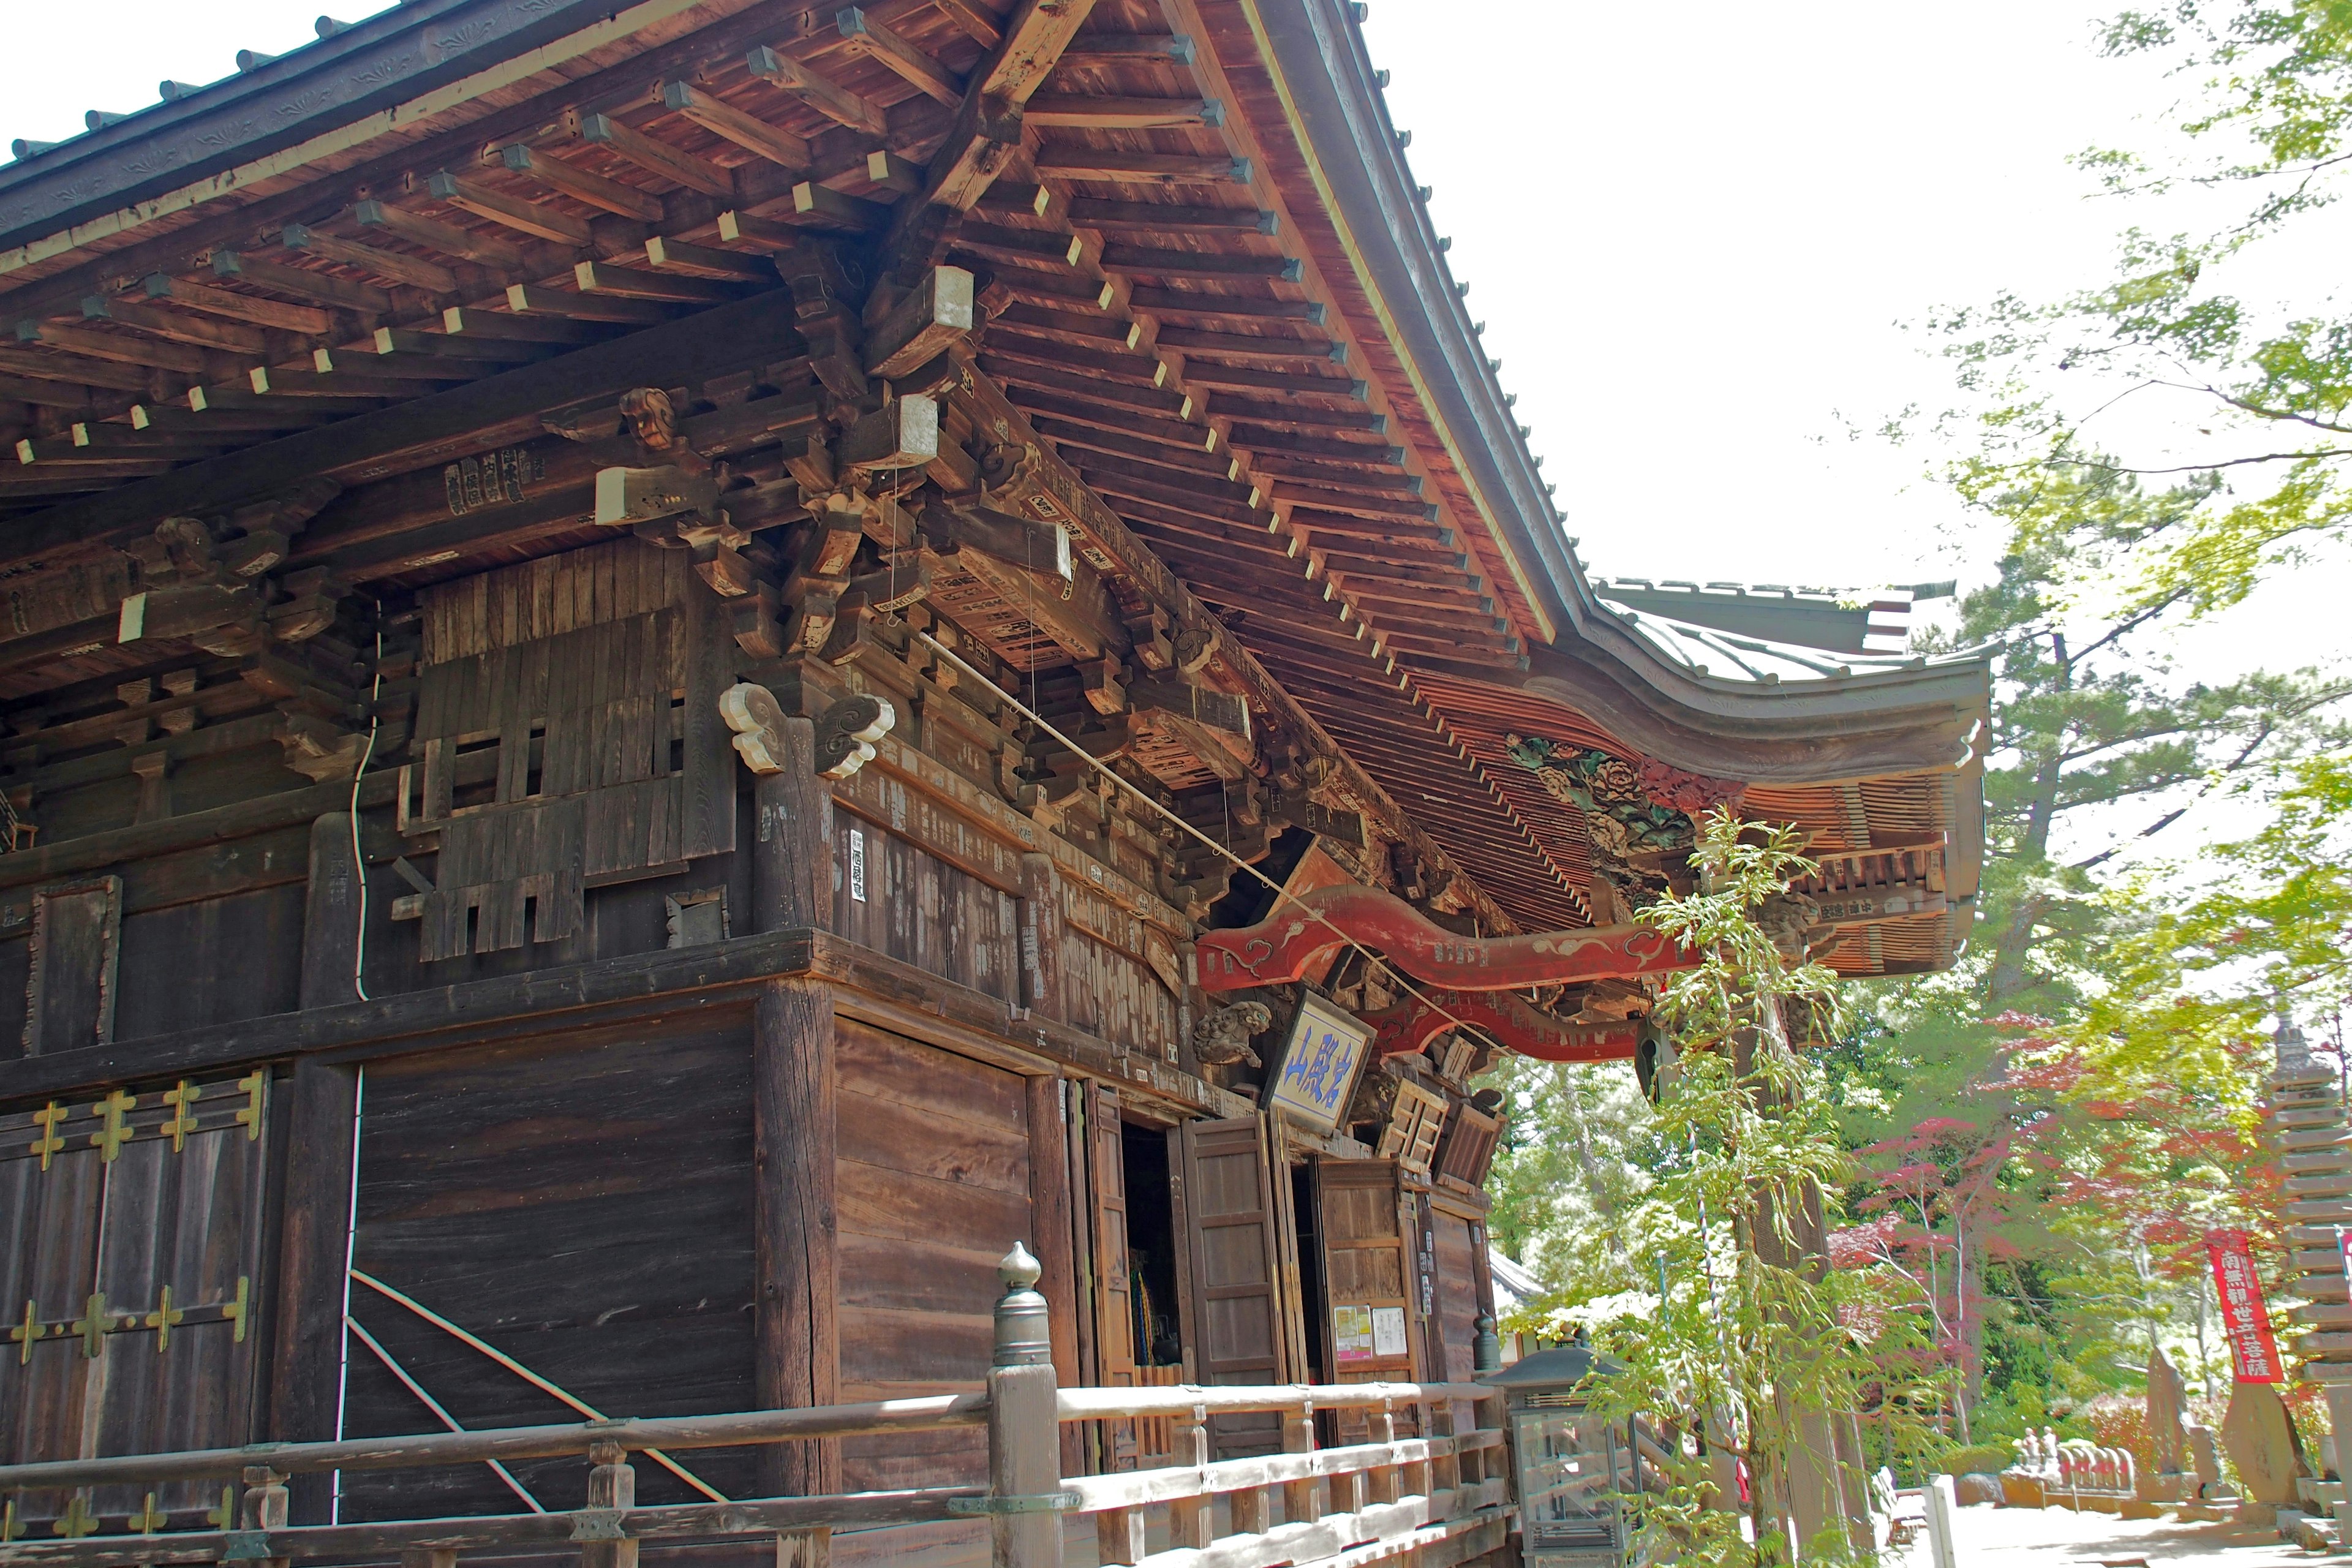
x,y
794,1137
318,1107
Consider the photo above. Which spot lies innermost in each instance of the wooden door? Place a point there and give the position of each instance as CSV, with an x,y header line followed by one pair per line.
x,y
1230,1231
129,1274
1114,1292
1370,1321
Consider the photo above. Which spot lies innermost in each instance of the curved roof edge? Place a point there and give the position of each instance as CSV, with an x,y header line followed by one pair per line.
x,y
1664,684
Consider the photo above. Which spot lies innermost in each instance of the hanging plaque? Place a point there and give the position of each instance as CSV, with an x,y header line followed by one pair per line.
x,y
1318,1071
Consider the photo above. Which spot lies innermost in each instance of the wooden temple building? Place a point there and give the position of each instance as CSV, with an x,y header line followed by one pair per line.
x,y
667,673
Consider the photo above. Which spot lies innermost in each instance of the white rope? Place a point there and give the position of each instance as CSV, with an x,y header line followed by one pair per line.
x,y
434,1405
1375,960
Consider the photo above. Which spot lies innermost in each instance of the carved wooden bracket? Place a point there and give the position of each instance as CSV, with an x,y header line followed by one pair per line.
x,y
845,733
1292,942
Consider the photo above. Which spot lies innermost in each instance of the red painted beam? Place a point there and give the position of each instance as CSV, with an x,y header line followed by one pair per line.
x,y
1291,942
1505,1019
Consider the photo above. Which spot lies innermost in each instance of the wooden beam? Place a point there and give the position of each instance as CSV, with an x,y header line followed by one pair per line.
x,y
972,21
434,234
581,186
1174,435
747,228
1037,38
121,350
1131,49
1132,261
748,131
1192,305
423,429
1206,373
393,266
657,157
602,278
474,321
1064,161
199,331
76,374
1020,244
320,287
1158,217
538,300
939,311
523,217
1242,345
737,266
307,319
276,413
867,36
822,207
45,394
786,74
1078,112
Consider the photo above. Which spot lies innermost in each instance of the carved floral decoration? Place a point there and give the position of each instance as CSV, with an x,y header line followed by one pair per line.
x,y
1628,807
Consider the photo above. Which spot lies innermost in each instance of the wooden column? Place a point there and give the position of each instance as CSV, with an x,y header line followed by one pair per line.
x,y
331,914
792,848
318,1103
1050,1221
1041,935
798,1345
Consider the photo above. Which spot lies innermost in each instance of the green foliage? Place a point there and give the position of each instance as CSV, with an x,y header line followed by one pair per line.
x,y
1718,1319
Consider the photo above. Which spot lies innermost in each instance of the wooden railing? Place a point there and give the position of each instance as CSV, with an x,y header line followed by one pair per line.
x,y
1443,1497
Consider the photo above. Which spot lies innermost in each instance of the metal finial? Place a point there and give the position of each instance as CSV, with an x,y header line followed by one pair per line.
x,y
1024,1335
1018,1270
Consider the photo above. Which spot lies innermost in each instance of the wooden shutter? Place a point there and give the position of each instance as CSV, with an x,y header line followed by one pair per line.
x,y
69,1001
1229,1220
1468,1146
1114,1290
129,1288
1411,1139
1370,1319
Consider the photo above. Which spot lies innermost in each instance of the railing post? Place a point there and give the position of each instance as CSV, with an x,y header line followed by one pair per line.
x,y
1298,1500
264,1505
1024,1429
1382,1480
1192,1521
612,1485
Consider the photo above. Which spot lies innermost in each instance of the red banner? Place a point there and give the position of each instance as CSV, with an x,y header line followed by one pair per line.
x,y
2245,1318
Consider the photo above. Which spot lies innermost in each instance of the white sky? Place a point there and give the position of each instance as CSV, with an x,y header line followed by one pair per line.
x,y
1693,232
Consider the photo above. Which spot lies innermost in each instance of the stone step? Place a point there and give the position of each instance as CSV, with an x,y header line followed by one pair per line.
x,y
2321,1495
2318,1235
2315,1186
2320,1113
2325,1162
2324,1344
2318,1259
2303,1139
2329,1212
2322,1315
2303,1076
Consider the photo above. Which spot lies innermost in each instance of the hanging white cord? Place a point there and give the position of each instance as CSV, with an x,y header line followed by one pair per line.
x,y
351,1239
1280,894
359,861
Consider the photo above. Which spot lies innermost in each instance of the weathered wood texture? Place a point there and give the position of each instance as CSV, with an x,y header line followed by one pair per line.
x,y
795,1119
317,1108
620,1265
596,675
1114,1278
934,1183
132,1245
901,899
1236,1308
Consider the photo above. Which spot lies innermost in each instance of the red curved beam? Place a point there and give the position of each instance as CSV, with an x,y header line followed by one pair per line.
x,y
1291,942
1506,1020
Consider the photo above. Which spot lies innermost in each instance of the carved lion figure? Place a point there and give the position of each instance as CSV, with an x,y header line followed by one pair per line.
x,y
1223,1037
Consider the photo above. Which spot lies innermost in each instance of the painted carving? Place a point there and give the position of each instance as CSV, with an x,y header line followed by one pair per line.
x,y
845,733
1223,1037
1508,1021
1295,943
1628,807
758,720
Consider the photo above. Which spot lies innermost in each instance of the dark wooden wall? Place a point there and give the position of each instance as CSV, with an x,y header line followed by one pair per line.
x,y
583,1203
934,1186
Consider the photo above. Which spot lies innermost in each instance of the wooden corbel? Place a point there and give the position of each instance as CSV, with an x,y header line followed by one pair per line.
x,y
845,733
902,434
938,312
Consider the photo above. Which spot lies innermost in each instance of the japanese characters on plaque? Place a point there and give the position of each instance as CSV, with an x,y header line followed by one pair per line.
x,y
2253,1351
1366,1333
1319,1065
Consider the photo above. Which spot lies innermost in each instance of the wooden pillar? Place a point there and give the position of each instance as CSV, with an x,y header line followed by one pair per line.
x,y
331,914
798,1345
320,1103
792,850
1049,1224
1041,936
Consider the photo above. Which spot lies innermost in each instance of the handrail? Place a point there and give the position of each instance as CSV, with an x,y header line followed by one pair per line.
x,y
751,1427
1100,1404
493,1531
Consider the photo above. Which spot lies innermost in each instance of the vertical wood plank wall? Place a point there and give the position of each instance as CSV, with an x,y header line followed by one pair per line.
x,y
934,1186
